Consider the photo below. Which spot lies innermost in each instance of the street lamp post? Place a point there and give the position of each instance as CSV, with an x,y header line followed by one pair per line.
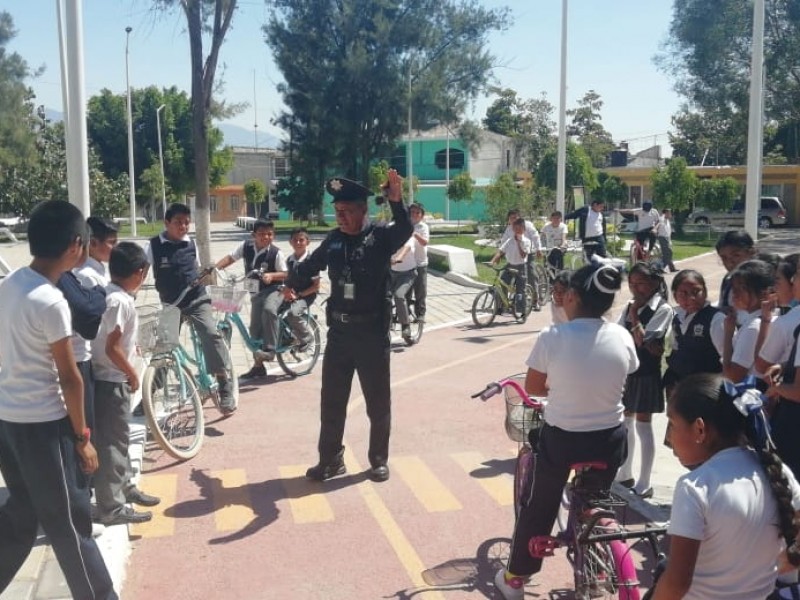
x,y
130,137
410,159
447,175
161,160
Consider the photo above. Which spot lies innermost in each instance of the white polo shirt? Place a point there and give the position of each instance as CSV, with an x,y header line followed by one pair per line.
x,y
530,233
594,223
421,251
511,249
555,237
120,313
780,339
409,261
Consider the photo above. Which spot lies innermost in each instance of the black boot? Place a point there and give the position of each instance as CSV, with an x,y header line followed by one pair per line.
x,y
327,469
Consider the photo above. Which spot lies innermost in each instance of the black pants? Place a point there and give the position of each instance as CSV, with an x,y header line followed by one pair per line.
x,y
419,291
361,348
556,258
594,245
518,277
785,424
646,235
558,451
47,487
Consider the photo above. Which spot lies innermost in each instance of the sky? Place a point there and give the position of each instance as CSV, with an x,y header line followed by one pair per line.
x,y
611,46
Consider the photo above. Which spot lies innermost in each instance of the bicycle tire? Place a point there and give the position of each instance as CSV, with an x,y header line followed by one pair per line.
x,y
523,474
298,360
416,325
484,308
167,406
543,285
530,302
606,569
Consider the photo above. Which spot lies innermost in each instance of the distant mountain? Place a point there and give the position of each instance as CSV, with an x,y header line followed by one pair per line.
x,y
54,116
239,136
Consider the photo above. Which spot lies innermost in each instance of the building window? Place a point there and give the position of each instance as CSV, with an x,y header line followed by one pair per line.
x,y
456,159
281,167
212,203
235,203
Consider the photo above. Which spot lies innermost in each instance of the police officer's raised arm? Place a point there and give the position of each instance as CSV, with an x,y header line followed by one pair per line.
x,y
402,228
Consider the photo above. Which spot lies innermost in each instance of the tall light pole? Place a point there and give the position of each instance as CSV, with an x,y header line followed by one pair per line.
x,y
561,167
161,160
755,128
130,136
447,175
410,160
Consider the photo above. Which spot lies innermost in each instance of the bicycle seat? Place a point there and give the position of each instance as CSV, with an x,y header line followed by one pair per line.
x,y
585,466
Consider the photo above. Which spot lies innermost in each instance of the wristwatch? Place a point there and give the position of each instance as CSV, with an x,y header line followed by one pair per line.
x,y
83,436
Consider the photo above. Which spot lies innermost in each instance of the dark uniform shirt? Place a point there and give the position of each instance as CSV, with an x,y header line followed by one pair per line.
x,y
358,266
174,268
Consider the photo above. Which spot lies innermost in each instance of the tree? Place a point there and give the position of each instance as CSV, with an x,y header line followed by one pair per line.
x,y
502,195
586,125
296,195
255,191
529,122
460,190
708,55
674,187
346,84
206,21
717,194
17,122
610,189
579,170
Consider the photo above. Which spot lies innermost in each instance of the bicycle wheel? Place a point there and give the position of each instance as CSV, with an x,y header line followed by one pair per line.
x,y
416,325
300,359
574,260
655,255
173,408
523,476
605,569
530,302
484,308
542,285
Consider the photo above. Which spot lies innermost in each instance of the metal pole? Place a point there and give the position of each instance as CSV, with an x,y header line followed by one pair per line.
x,y
161,160
77,140
755,128
447,176
62,49
409,158
132,188
561,169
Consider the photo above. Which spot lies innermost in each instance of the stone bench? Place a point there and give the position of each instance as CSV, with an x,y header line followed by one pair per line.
x,y
458,260
7,234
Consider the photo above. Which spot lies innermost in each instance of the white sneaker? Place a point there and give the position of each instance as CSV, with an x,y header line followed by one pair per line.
x,y
512,589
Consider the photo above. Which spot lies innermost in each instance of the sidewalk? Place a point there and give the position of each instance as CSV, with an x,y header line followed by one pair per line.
x,y
448,304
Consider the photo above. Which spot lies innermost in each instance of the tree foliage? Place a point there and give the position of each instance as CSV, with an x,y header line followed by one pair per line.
x,y
674,187
298,196
255,191
610,189
708,54
587,127
346,66
717,194
579,169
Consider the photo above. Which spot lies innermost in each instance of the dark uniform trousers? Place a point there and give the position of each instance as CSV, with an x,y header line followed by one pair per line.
x,y
365,349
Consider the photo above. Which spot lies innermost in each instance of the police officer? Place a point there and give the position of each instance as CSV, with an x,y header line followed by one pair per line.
x,y
357,255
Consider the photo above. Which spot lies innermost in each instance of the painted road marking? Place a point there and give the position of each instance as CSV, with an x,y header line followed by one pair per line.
x,y
499,487
306,498
433,495
232,505
165,487
394,535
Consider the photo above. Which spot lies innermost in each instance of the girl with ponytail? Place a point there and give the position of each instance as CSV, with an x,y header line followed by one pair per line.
x,y
734,513
583,416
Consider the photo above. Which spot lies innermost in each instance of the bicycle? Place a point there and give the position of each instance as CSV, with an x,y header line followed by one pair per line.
x,y
500,296
295,357
587,523
638,252
172,395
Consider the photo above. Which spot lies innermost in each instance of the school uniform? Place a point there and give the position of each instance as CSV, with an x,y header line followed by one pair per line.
x,y
583,420
298,308
420,287
532,235
591,229
744,342
785,419
113,403
664,236
697,344
555,240
646,221
516,252
38,460
644,391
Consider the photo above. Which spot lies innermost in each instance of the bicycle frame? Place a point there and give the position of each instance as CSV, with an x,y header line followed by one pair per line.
x,y
284,342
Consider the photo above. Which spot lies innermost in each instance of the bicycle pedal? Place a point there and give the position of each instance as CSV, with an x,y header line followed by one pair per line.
x,y
543,546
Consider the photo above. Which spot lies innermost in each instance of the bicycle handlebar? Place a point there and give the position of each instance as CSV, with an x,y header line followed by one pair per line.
x,y
495,387
193,284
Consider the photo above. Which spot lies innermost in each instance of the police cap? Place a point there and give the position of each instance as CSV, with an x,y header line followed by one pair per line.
x,y
346,190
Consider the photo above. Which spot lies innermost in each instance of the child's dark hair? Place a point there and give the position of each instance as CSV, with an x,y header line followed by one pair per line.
x,y
418,206
298,231
653,273
126,258
771,258
703,396
756,276
53,227
788,266
102,228
520,222
177,208
688,275
562,278
262,224
596,287
514,212
737,238
556,213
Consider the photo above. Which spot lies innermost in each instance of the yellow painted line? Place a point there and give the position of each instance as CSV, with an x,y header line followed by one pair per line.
x,y
500,487
306,499
165,487
232,506
431,492
394,535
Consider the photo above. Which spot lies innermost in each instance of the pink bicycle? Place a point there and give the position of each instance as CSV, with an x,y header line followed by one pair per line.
x,y
588,528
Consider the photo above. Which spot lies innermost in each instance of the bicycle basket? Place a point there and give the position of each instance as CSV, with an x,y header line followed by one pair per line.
x,y
159,329
520,418
227,298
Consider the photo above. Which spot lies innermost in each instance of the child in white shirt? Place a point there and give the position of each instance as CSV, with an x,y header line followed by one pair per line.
x,y
555,240
516,250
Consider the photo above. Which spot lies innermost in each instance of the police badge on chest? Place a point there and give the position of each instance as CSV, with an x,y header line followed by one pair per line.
x,y
697,330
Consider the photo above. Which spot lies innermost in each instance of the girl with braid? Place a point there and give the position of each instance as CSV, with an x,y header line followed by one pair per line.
x,y
733,515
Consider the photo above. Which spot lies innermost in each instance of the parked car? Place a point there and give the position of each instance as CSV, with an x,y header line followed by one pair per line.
x,y
770,214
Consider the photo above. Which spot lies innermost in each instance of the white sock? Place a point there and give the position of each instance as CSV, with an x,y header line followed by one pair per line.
x,y
644,429
626,470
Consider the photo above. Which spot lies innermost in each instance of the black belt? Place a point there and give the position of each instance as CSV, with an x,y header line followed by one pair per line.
x,y
339,317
